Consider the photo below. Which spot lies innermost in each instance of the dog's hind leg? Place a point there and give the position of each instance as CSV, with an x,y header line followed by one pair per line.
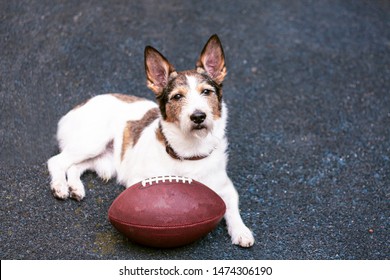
x,y
58,166
73,161
75,186
66,179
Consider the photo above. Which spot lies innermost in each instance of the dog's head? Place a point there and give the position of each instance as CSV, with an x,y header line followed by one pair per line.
x,y
191,99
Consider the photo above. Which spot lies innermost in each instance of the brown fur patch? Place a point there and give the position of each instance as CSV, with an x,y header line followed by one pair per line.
x,y
212,99
173,110
173,107
134,129
127,98
160,136
127,138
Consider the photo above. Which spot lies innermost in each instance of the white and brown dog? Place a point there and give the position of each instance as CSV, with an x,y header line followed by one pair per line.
x,y
133,138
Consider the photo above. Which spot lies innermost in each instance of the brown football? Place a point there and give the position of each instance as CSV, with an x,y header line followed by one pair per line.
x,y
166,211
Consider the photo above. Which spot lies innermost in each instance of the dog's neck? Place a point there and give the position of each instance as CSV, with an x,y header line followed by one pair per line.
x,y
171,151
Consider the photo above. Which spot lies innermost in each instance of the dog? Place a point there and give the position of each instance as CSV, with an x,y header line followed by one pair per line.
x,y
133,138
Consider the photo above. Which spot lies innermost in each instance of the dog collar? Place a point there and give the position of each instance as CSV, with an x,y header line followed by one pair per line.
x,y
170,151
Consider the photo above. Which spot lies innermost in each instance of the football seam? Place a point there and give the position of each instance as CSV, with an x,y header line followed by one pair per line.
x,y
170,226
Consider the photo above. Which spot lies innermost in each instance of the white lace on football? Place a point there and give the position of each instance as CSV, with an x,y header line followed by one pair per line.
x,y
163,179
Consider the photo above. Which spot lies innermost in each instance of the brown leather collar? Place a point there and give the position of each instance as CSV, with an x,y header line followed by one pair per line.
x,y
170,151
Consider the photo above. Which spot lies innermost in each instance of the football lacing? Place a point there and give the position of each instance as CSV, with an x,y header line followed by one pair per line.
x,y
163,179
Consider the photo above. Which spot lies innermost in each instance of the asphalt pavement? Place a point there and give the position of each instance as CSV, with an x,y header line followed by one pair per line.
x,y
309,121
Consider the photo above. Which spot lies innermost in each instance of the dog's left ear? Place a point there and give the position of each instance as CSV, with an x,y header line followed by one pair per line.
x,y
212,60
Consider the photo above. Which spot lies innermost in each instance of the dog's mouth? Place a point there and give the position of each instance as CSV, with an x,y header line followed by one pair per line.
x,y
200,130
199,127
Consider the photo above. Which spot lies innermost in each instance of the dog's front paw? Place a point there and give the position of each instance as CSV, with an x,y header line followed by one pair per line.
x,y
243,237
60,190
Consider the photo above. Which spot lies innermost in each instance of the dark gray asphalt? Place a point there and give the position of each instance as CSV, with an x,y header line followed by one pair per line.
x,y
309,130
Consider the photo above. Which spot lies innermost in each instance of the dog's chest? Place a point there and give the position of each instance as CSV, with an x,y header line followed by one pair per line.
x,y
149,158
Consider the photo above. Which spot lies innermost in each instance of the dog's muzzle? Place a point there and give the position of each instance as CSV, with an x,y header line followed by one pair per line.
x,y
198,118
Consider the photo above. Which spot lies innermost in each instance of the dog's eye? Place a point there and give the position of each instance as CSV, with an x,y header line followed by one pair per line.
x,y
207,92
177,97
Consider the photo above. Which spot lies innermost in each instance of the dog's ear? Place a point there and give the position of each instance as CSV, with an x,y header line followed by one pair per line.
x,y
157,69
212,60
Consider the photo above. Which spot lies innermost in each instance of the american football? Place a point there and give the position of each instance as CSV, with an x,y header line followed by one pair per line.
x,y
166,211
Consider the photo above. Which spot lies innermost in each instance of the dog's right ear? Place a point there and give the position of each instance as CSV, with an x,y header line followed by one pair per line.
x,y
158,70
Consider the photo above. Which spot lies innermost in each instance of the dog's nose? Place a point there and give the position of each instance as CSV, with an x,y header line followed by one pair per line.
x,y
198,117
